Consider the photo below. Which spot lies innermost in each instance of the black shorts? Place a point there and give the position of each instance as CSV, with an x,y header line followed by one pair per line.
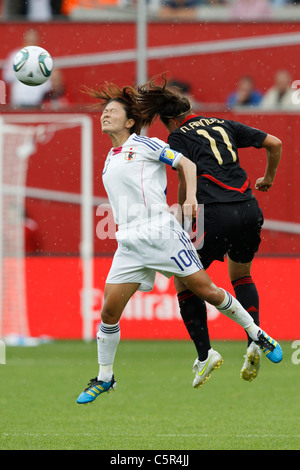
x,y
231,228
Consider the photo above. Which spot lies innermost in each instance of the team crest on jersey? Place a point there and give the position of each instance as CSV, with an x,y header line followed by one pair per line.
x,y
130,155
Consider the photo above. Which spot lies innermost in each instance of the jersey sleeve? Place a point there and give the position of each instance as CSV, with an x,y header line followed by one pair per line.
x,y
160,150
248,136
170,157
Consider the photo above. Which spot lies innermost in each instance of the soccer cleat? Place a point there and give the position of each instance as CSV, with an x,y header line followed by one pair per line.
x,y
252,363
94,389
203,369
269,346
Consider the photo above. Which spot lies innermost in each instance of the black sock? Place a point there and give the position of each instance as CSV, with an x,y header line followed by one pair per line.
x,y
246,293
194,315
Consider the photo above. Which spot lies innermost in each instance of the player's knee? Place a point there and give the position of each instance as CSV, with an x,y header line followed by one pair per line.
x,y
211,294
108,315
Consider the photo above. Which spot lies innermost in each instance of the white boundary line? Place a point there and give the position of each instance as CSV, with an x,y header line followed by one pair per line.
x,y
51,195
281,226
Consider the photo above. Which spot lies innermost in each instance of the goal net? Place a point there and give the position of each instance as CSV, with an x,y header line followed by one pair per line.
x,y
20,135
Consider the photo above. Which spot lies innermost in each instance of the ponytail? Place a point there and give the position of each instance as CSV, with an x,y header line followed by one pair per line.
x,y
158,101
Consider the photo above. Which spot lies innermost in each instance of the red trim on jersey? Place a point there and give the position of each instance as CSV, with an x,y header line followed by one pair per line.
x,y
189,117
142,183
240,190
117,150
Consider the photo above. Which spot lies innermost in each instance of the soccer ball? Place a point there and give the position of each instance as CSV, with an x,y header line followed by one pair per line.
x,y
33,65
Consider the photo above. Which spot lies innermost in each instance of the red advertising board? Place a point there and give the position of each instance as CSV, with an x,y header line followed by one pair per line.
x,y
54,301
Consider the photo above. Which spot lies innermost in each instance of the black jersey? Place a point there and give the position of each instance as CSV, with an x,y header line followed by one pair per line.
x,y
212,144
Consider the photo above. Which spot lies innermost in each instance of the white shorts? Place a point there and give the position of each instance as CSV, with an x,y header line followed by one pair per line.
x,y
158,244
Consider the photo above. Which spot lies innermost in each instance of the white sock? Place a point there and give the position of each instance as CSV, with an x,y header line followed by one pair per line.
x,y
232,308
108,338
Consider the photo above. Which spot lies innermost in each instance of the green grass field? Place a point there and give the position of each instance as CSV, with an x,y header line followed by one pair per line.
x,y
154,405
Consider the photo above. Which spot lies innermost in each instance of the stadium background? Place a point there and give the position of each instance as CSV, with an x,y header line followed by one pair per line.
x,y
53,277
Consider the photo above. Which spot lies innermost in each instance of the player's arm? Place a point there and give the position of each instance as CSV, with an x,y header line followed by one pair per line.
x,y
181,187
273,148
176,142
187,176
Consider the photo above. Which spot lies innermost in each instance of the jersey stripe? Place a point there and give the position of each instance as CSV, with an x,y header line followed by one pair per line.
x,y
231,188
147,141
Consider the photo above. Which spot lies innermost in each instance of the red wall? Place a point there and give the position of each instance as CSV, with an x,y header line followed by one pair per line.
x,y
56,165
212,76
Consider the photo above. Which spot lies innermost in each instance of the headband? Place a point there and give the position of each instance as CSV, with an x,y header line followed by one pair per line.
x,y
181,114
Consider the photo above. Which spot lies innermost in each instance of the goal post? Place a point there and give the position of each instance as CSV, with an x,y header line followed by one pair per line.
x,y
19,136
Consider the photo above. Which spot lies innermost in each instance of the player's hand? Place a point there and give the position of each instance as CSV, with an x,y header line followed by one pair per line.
x,y
189,208
262,184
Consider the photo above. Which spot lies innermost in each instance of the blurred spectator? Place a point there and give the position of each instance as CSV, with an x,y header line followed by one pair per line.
x,y
22,95
250,9
56,98
38,10
279,96
282,3
178,8
11,9
56,6
245,94
216,2
279,3
33,10
68,6
184,89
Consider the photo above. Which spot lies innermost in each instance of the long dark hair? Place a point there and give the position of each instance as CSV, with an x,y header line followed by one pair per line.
x,y
127,96
158,101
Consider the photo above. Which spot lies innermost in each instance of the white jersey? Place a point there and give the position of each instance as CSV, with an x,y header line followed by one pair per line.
x,y
134,177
